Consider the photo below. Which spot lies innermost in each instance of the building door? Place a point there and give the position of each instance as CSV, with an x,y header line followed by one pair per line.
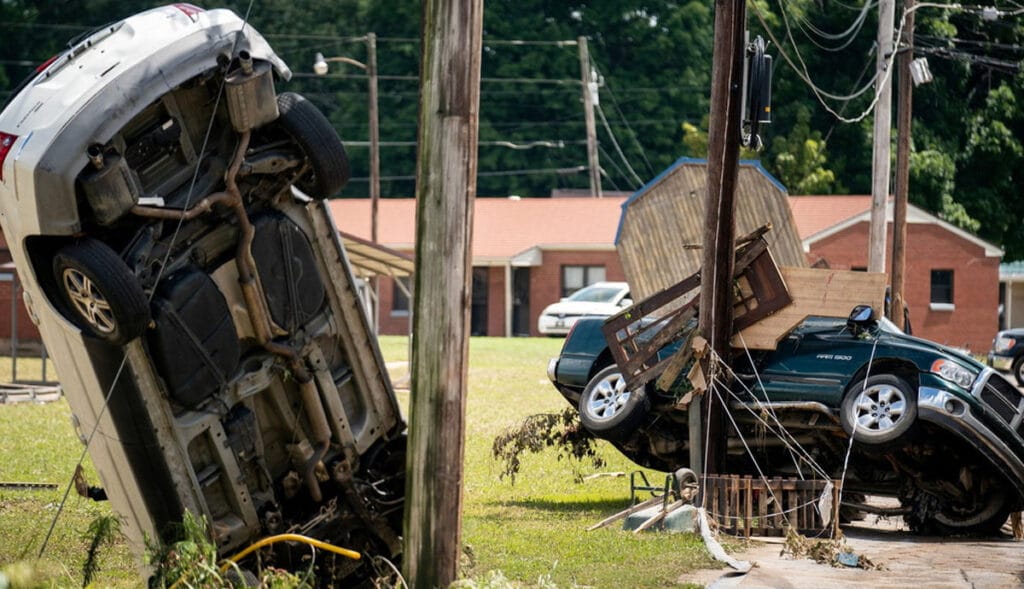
x,y
478,311
521,301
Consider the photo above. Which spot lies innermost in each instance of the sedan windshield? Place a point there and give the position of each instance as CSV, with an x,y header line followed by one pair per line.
x,y
595,294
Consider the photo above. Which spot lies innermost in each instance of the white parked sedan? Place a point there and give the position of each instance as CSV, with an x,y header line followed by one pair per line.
x,y
601,298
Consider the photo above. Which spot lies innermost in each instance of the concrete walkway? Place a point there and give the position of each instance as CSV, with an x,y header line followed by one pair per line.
x,y
906,560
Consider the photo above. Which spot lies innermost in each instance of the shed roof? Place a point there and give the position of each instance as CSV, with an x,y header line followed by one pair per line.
x,y
666,216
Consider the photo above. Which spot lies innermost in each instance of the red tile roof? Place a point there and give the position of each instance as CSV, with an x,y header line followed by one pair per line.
x,y
503,227
813,214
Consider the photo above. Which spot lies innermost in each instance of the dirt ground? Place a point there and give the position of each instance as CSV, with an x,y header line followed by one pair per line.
x,y
906,560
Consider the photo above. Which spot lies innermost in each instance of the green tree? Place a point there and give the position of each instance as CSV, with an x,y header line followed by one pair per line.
x,y
800,159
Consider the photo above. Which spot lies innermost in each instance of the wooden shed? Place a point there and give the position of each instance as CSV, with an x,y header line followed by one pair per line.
x,y
667,214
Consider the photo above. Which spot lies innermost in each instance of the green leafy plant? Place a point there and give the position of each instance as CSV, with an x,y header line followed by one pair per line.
x,y
103,531
546,430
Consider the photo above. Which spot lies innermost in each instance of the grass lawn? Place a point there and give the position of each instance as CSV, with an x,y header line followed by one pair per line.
x,y
532,531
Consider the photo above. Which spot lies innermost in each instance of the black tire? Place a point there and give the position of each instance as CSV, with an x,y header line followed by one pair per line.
x,y
608,410
879,410
979,513
100,293
308,127
1018,370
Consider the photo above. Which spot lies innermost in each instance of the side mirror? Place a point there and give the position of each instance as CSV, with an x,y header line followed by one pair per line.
x,y
861,317
626,303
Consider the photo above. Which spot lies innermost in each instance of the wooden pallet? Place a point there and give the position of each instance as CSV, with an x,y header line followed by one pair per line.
x,y
638,336
745,506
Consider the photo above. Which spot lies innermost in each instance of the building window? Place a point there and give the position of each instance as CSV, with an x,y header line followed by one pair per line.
x,y
942,290
399,299
576,277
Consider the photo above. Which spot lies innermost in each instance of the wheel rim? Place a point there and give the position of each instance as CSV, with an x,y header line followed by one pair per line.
x,y
88,301
1020,371
609,397
879,408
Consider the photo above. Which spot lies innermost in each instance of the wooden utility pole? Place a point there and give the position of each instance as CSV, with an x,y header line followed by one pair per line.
x,y
589,89
371,74
446,166
880,143
905,96
716,290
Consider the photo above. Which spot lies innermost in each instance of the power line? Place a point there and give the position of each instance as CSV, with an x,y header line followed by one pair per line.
x,y
632,133
845,38
618,149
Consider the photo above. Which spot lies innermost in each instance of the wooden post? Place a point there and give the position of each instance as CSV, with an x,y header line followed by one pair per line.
x,y
371,76
720,211
588,118
880,144
446,167
899,212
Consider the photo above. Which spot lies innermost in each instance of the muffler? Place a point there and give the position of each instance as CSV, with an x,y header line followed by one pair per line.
x,y
252,101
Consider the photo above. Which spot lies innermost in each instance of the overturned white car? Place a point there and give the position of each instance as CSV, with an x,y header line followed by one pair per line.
x,y
200,311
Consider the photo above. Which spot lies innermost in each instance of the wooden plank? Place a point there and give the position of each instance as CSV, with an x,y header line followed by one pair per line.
x,y
762,510
827,293
749,507
625,512
778,516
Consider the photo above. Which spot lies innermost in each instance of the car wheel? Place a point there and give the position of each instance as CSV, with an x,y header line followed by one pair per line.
x,y
879,410
312,132
1018,370
980,512
102,295
610,411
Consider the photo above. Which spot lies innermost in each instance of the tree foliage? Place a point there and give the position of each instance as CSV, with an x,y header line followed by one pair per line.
x,y
653,58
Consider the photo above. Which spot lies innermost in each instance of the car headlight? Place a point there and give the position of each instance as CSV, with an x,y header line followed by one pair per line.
x,y
953,372
1004,343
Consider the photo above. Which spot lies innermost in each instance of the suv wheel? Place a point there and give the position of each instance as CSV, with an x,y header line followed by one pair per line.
x,y
608,410
102,295
320,144
879,410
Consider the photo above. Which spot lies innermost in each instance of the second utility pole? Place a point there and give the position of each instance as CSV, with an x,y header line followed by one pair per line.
x,y
589,92
880,143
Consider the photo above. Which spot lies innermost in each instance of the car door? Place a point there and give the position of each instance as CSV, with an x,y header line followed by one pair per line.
x,y
812,363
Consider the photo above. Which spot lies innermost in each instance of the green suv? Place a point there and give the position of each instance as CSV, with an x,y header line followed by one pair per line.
x,y
907,417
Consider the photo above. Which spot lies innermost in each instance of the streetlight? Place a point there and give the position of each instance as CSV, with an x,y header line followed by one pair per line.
x,y
320,68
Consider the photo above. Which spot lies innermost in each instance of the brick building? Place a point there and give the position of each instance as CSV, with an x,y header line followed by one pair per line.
x,y
527,253
952,276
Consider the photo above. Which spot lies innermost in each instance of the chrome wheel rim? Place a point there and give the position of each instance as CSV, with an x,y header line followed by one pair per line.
x,y
879,408
608,398
88,301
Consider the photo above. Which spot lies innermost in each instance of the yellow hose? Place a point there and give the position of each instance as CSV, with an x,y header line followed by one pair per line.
x,y
294,538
